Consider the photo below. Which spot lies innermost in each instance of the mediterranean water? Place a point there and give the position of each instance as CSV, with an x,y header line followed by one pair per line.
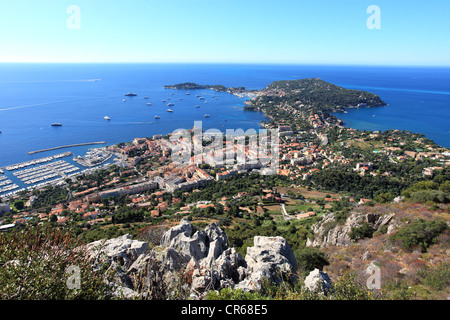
x,y
79,96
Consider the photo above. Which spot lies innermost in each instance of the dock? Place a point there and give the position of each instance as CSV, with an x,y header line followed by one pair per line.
x,y
67,146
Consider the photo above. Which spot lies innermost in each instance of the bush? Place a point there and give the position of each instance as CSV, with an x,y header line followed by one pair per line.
x,y
309,259
420,186
437,278
420,233
34,265
384,198
437,196
361,232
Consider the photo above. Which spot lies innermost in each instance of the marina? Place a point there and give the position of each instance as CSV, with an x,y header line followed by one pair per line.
x,y
45,172
36,161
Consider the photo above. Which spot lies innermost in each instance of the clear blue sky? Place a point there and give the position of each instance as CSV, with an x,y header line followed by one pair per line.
x,y
258,31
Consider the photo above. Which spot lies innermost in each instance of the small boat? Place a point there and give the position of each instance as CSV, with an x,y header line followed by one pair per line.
x,y
180,98
131,94
197,106
207,116
124,100
149,104
145,97
157,117
163,100
169,110
187,93
170,104
56,124
106,118
202,98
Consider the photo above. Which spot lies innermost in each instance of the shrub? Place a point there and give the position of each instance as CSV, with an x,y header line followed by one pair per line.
x,y
437,278
34,265
361,232
309,259
420,233
384,197
437,196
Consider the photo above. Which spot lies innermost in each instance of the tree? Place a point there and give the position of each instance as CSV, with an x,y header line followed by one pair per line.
x,y
19,204
445,186
384,197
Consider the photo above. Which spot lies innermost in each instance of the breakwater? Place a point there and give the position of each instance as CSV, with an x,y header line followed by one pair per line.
x,y
67,146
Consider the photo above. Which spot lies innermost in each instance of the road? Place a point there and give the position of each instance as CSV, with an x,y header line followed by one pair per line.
x,y
284,213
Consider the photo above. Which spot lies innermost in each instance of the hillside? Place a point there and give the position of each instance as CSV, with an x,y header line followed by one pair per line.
x,y
317,93
408,242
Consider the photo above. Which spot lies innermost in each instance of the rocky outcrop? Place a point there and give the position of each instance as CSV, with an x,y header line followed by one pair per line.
x,y
270,258
330,232
202,258
318,282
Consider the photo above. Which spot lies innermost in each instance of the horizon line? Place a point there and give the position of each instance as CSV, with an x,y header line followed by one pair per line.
x,y
233,63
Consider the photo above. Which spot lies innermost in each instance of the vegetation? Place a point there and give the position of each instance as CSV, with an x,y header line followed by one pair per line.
x,y
345,288
420,233
310,258
319,94
361,232
49,196
35,265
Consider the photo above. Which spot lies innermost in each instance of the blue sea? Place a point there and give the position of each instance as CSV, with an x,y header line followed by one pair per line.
x,y
79,96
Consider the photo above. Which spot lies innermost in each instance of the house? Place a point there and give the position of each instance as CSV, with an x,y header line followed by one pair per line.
x,y
306,215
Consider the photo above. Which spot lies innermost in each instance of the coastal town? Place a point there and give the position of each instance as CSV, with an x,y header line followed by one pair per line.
x,y
145,178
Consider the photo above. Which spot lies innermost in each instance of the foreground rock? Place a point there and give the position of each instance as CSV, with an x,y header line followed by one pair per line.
x,y
318,282
193,262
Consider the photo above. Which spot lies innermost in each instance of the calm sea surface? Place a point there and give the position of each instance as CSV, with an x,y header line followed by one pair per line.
x,y
32,96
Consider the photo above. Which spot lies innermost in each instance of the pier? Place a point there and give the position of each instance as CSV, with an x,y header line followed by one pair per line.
x,y
68,146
